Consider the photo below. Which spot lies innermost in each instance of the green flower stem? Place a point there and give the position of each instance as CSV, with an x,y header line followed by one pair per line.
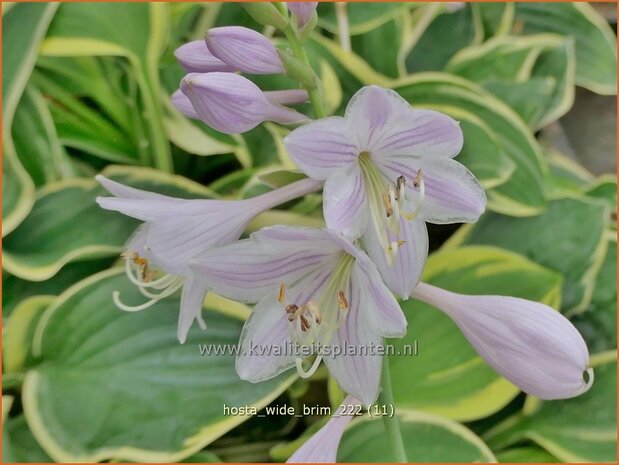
x,y
314,93
392,424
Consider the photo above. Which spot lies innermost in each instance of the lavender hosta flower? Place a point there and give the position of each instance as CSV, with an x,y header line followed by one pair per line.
x,y
195,57
322,446
174,231
528,343
303,11
278,97
244,49
388,168
314,289
231,103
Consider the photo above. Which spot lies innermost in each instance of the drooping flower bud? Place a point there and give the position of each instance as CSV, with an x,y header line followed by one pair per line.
x,y
303,11
266,14
231,103
195,57
244,49
528,343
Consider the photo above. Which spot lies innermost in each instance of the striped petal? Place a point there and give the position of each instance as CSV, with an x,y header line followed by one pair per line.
x,y
345,202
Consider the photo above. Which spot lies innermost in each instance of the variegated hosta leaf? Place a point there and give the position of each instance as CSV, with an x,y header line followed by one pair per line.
x,y
447,377
117,385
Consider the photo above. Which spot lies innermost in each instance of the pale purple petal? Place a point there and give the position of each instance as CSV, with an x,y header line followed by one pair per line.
x,y
265,342
386,124
195,57
323,147
286,97
244,49
303,11
233,104
403,274
192,299
182,103
120,190
452,193
529,343
345,202
250,269
322,446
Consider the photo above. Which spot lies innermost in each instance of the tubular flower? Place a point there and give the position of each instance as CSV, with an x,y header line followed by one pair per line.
x,y
314,289
244,49
388,168
195,57
528,343
175,230
322,446
231,103
303,11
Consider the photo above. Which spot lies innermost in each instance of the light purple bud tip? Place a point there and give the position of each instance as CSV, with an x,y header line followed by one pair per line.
x,y
231,103
195,57
244,49
302,10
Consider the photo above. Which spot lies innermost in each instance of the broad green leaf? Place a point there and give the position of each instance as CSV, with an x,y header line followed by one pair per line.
x,y
19,289
446,34
36,142
568,237
523,193
20,327
447,377
17,63
66,224
565,177
526,454
101,29
362,17
19,445
103,371
582,429
427,438
598,324
596,49
605,187
533,74
497,18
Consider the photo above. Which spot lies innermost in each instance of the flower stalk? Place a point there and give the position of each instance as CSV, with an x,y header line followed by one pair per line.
x,y
392,424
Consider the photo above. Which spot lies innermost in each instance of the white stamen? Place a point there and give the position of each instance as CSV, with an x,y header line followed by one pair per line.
x,y
306,374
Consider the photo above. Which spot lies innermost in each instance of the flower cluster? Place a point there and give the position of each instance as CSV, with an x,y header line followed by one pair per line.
x,y
385,169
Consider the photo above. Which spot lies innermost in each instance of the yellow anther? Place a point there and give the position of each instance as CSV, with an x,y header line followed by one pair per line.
x,y
281,295
342,301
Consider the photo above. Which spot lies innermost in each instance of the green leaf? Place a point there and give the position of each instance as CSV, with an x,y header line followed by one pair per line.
x,y
19,445
17,63
526,454
533,74
447,33
66,224
568,238
497,18
447,377
598,324
362,18
120,386
427,438
36,141
101,30
566,177
605,187
596,49
582,429
523,193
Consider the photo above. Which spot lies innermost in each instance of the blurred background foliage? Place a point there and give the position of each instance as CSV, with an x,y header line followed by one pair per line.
x,y
86,89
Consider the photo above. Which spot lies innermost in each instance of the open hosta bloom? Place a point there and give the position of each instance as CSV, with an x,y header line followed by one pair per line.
x,y
388,168
314,288
529,343
175,230
322,446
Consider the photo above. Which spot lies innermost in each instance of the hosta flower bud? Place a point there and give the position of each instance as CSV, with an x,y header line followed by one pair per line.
x,y
529,343
303,11
231,103
244,49
265,13
195,57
